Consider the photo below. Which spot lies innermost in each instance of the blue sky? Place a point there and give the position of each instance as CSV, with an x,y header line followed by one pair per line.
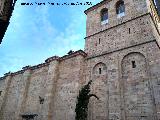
x,y
38,32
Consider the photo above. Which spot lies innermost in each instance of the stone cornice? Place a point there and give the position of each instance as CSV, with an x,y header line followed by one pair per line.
x,y
46,63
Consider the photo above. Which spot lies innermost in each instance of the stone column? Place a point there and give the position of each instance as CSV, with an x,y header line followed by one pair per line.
x,y
24,92
5,95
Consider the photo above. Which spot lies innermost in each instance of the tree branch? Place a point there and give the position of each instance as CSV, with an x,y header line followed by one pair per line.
x,y
93,95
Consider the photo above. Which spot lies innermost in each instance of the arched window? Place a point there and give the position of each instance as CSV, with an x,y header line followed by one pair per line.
x,y
120,8
99,69
104,16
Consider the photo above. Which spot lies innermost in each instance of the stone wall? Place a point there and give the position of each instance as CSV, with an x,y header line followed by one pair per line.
x,y
128,34
123,60
125,92
37,88
2,89
57,82
68,85
133,8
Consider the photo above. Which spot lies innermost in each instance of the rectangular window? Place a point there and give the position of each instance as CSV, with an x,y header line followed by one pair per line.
x,y
133,64
99,41
100,70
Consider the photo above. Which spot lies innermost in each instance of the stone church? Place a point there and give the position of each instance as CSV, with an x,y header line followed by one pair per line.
x,y
121,57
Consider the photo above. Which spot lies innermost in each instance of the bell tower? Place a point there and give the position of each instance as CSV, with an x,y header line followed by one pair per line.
x,y
123,42
107,14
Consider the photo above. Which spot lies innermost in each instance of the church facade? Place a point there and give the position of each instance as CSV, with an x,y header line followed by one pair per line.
x,y
121,57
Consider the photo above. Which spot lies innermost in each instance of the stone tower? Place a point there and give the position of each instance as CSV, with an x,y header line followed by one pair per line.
x,y
122,44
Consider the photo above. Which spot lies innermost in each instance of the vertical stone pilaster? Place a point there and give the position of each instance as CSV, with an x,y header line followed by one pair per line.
x,y
52,77
23,97
151,80
121,90
7,86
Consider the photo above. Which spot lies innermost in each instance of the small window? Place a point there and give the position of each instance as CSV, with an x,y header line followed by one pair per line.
x,y
129,30
120,8
41,100
104,16
100,71
133,64
99,41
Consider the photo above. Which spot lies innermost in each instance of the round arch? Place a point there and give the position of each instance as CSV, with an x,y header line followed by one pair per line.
x,y
99,68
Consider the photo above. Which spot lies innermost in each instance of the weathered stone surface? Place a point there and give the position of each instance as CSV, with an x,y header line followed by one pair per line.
x,y
122,58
